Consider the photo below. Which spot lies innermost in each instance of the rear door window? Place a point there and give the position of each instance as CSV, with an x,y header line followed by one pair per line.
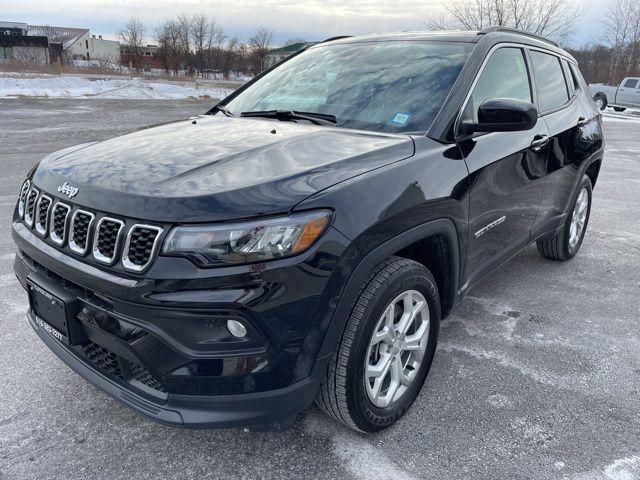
x,y
577,78
550,81
572,82
631,83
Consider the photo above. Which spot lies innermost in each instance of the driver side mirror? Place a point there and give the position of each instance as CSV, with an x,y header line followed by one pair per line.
x,y
504,115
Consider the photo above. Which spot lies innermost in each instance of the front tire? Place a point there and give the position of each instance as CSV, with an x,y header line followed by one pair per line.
x,y
386,349
566,243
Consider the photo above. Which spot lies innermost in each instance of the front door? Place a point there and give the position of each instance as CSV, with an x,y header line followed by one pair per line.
x,y
506,169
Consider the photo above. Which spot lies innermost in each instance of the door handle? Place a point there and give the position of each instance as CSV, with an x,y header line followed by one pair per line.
x,y
582,121
539,142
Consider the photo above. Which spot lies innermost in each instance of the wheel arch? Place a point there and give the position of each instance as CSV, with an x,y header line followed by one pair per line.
x,y
441,234
593,170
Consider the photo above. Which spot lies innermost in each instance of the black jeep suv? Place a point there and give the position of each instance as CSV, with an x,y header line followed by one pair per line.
x,y
303,239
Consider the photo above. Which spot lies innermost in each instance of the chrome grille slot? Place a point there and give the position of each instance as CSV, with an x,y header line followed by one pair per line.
x,y
42,215
81,222
24,190
58,223
140,247
105,242
30,206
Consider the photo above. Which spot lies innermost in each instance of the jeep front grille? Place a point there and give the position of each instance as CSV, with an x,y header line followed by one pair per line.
x,y
105,242
22,200
58,225
30,206
140,247
109,239
42,214
80,230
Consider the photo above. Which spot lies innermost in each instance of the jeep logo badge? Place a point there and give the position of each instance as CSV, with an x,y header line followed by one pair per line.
x,y
68,190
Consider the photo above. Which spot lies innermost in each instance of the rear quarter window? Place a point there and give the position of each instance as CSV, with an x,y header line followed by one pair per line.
x,y
550,81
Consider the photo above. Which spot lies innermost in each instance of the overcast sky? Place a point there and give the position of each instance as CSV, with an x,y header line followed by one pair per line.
x,y
309,19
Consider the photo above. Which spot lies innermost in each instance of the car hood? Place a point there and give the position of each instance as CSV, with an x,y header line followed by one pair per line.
x,y
215,167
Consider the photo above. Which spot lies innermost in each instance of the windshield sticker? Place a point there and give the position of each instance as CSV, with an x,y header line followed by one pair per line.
x,y
400,118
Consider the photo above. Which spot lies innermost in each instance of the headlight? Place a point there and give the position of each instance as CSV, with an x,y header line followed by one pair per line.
x,y
247,242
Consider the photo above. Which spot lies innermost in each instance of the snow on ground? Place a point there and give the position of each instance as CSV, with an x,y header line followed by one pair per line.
x,y
132,88
631,115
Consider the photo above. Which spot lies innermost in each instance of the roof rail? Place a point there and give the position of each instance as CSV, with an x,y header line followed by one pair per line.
x,y
518,31
339,37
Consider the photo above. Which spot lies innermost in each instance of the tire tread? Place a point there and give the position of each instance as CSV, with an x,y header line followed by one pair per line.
x,y
332,395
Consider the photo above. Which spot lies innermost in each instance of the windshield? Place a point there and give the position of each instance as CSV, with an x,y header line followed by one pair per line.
x,y
392,86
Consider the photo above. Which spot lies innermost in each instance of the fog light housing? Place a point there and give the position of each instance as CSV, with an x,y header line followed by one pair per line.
x,y
236,328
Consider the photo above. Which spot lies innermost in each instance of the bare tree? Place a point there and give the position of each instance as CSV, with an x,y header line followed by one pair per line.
x,y
132,36
200,33
622,26
260,43
552,18
171,51
184,31
232,45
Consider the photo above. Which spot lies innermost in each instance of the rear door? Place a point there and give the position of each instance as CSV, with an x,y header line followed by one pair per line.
x,y
629,92
561,101
506,168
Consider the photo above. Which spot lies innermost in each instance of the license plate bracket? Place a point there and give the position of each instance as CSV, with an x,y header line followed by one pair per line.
x,y
55,311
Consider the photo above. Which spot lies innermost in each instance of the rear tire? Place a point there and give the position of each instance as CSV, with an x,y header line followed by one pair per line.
x,y
566,243
372,380
601,101
619,109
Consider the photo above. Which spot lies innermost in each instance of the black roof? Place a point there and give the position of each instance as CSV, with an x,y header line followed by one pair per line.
x,y
503,34
23,41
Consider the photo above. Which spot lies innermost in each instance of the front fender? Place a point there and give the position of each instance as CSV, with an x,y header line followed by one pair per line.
x,y
354,268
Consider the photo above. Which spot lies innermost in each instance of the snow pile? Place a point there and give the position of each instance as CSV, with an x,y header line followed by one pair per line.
x,y
78,87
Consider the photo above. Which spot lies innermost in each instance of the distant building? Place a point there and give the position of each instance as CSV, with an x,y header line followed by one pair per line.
x,y
279,54
16,45
102,49
13,26
149,56
79,44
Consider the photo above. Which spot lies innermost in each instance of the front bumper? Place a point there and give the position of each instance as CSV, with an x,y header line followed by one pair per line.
x,y
273,410
139,353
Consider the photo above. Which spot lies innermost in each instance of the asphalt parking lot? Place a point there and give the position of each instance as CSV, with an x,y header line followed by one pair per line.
x,y
537,373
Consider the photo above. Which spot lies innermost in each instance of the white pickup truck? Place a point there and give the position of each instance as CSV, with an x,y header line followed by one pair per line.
x,y
625,96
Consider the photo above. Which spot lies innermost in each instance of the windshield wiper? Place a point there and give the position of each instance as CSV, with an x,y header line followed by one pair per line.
x,y
223,109
317,118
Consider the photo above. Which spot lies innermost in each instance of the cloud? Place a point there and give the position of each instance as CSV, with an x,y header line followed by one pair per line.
x,y
309,19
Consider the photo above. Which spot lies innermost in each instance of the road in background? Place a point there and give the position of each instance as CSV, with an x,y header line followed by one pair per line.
x,y
537,374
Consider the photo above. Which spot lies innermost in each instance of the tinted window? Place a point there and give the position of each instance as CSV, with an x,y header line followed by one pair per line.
x,y
552,89
572,81
631,83
577,78
396,86
504,76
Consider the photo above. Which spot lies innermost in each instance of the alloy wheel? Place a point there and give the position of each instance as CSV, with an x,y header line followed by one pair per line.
x,y
578,218
397,348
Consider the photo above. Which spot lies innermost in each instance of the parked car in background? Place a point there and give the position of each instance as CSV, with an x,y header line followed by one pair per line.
x,y
624,96
302,240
